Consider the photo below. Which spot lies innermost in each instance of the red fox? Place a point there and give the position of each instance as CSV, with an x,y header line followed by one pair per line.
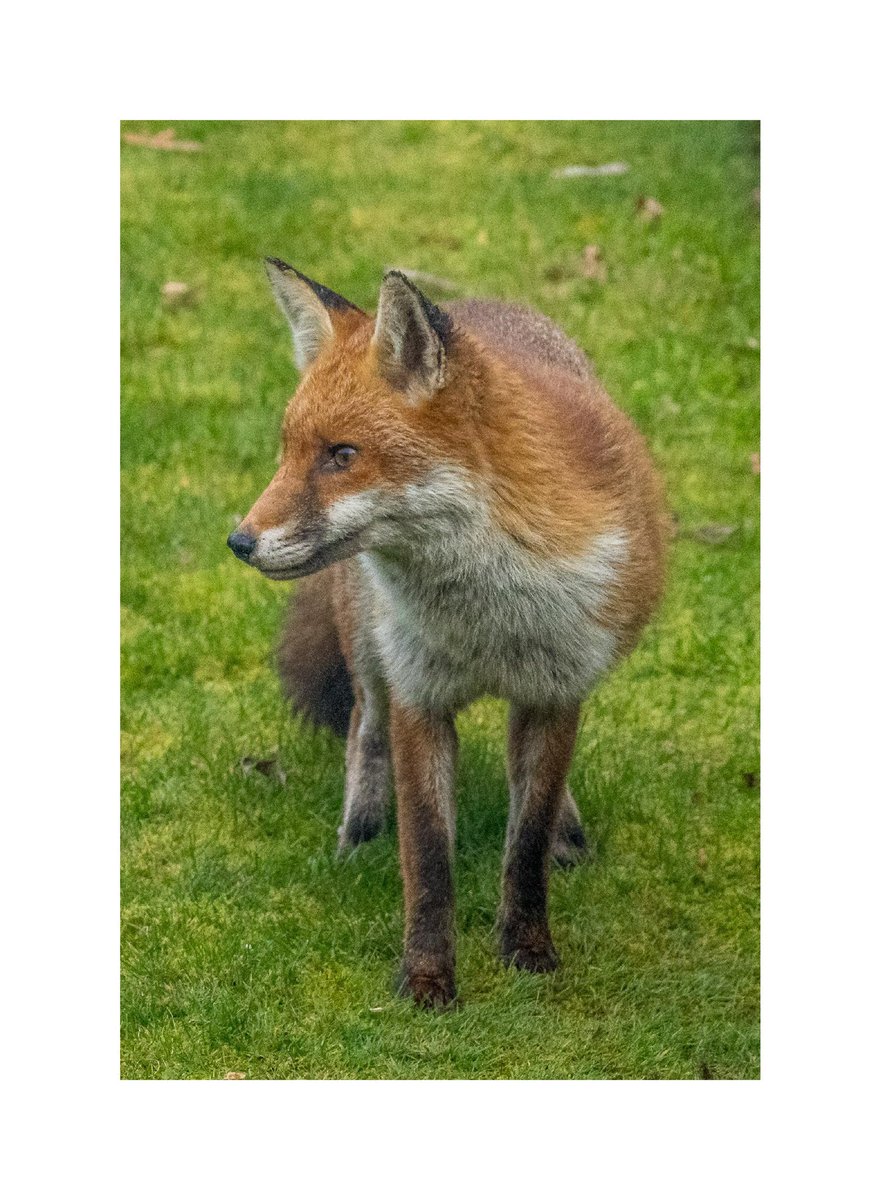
x,y
485,522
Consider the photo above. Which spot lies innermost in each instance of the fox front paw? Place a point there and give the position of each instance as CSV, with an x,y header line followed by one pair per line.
x,y
534,953
428,989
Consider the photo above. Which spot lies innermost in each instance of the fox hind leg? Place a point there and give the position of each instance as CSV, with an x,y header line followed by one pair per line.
x,y
367,770
570,844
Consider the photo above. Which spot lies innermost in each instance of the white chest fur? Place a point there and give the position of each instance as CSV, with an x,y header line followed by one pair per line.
x,y
468,611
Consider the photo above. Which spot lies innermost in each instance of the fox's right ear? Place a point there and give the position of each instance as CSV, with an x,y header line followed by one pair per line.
x,y
308,307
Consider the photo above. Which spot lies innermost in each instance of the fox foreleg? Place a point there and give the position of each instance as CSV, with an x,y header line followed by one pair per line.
x,y
424,750
540,746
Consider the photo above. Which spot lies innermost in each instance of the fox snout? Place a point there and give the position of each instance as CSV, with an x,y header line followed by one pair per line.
x,y
281,552
292,550
283,535
241,542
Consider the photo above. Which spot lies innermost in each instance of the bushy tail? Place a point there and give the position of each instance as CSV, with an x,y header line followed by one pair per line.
x,y
314,677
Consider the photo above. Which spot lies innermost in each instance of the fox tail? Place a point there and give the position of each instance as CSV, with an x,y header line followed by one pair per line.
x,y
313,673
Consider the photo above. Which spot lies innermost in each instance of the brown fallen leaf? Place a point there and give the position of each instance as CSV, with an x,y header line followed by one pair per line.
x,y
264,766
235,1075
755,460
593,264
649,209
575,170
711,535
164,140
702,859
176,294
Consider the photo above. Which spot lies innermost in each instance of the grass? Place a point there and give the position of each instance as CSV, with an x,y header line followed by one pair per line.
x,y
245,945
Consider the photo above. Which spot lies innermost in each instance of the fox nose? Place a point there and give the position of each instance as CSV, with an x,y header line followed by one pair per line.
x,y
241,544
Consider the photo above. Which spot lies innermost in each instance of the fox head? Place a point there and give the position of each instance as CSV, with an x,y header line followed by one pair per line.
x,y
365,436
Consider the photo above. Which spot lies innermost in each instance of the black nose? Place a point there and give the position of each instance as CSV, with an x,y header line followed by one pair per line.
x,y
241,544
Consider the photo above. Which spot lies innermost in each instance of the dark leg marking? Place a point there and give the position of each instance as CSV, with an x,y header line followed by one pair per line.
x,y
540,746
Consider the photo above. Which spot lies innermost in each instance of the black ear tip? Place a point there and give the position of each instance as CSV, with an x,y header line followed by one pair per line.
x,y
279,263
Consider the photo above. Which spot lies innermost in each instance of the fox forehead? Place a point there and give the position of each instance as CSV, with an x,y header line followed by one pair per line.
x,y
340,388
343,399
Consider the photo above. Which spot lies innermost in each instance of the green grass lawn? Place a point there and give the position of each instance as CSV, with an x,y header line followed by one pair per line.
x,y
246,946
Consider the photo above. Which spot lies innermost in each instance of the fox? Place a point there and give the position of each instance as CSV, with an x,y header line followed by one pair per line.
x,y
470,515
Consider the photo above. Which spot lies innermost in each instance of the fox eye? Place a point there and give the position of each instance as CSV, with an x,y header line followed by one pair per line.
x,y
342,456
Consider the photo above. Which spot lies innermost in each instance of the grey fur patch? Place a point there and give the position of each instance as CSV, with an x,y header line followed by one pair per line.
x,y
512,330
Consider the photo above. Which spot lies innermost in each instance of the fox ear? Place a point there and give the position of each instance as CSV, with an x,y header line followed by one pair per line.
x,y
307,306
411,338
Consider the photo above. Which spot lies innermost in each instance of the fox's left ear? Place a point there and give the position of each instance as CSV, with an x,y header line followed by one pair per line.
x,y
309,308
411,338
